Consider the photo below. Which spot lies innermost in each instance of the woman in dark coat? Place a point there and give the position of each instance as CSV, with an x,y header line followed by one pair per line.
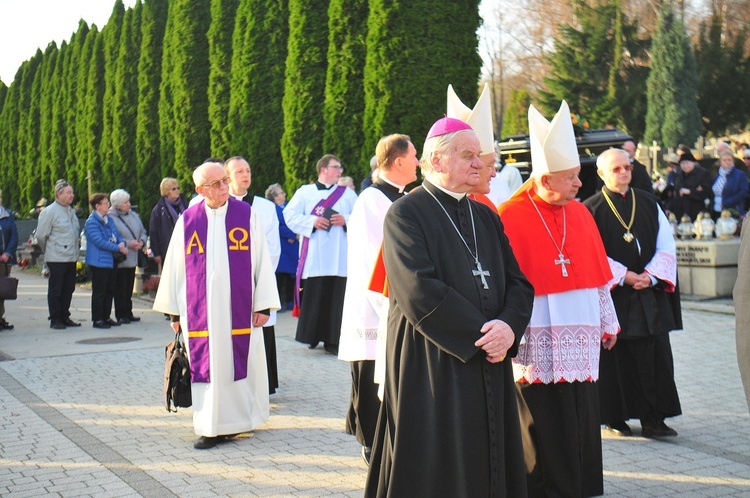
x,y
8,246
287,269
164,216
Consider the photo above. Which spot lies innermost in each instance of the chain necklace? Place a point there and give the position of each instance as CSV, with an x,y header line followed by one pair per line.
x,y
627,236
561,260
479,272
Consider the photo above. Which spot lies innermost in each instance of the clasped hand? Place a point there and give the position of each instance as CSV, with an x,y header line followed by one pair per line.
x,y
636,281
497,339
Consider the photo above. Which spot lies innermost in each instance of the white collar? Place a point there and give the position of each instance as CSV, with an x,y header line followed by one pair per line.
x,y
456,195
392,184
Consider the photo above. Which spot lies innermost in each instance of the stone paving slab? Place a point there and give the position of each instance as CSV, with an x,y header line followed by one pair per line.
x,y
88,420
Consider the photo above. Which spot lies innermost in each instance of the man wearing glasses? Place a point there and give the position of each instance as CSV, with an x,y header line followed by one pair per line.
x,y
205,288
319,213
57,235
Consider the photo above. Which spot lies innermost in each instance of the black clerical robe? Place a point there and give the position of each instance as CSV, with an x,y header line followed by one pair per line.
x,y
448,423
636,378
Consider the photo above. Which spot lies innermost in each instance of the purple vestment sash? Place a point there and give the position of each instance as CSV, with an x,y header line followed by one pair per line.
x,y
318,210
240,284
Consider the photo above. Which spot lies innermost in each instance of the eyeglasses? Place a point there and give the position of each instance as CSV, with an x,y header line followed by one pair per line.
x,y
174,188
340,168
619,169
217,183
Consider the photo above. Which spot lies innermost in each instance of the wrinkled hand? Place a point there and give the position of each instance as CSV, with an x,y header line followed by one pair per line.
x,y
4,257
684,191
644,282
338,220
122,247
259,319
609,342
498,338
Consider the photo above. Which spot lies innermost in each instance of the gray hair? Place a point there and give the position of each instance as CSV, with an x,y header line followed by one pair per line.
x,y
273,190
118,197
199,174
606,157
436,145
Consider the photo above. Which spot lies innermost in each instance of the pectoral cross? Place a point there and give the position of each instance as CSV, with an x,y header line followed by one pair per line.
x,y
562,261
479,272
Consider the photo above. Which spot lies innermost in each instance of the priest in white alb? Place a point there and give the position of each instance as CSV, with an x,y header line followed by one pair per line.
x,y
397,167
215,245
558,248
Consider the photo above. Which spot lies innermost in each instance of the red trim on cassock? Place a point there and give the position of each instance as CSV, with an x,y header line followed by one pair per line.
x,y
379,280
536,253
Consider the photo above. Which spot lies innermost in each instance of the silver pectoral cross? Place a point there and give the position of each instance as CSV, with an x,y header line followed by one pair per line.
x,y
562,261
479,272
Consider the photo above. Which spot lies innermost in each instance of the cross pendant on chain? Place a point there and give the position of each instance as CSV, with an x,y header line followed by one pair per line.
x,y
479,272
562,261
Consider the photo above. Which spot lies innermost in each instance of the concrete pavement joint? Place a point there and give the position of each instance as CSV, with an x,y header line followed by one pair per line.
x,y
136,478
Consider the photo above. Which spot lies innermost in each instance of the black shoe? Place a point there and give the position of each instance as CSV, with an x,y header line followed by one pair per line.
x,y
111,322
620,428
100,324
5,325
312,346
134,319
331,349
70,323
120,321
366,453
659,429
57,325
205,442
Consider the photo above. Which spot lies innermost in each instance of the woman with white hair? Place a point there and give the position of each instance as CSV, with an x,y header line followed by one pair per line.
x,y
131,229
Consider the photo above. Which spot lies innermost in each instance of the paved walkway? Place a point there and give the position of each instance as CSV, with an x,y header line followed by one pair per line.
x,y
81,414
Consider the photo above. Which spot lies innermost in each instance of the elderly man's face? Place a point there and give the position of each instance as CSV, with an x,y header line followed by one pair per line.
x,y
240,176
215,187
617,174
65,196
563,185
630,148
459,168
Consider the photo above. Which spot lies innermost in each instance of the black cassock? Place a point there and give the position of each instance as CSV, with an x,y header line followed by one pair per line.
x,y
448,424
636,378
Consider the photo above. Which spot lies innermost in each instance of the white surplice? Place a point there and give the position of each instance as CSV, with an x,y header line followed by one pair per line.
x,y
360,319
223,406
326,255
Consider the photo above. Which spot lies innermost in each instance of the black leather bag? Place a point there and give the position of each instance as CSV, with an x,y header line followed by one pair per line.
x,y
8,288
119,257
142,259
177,376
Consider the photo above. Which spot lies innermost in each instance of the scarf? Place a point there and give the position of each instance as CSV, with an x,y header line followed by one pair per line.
x,y
240,284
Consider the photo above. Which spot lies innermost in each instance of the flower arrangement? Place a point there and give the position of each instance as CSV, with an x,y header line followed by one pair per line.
x,y
580,125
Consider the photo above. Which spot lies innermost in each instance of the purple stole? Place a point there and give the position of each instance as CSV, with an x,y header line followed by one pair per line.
x,y
240,284
318,210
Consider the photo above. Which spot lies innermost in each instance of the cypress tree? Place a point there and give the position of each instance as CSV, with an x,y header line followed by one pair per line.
x,y
111,32
415,50
166,99
219,80
673,115
188,49
3,94
94,109
304,90
344,94
153,22
29,116
57,138
259,49
72,108
47,92
126,102
516,121
78,166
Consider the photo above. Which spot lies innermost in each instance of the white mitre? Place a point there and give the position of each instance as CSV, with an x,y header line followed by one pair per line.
x,y
553,144
479,118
